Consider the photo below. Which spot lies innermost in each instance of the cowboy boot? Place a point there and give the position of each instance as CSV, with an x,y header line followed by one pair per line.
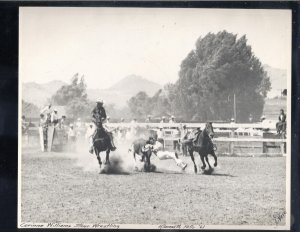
x,y
182,165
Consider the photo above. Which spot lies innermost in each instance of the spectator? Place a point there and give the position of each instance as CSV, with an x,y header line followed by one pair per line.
x,y
54,118
281,125
172,119
90,131
44,125
148,119
133,127
160,136
176,135
232,121
47,112
71,134
62,122
184,139
24,125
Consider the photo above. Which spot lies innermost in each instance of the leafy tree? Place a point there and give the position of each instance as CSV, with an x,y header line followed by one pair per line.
x,y
160,103
74,97
140,105
29,110
75,90
220,67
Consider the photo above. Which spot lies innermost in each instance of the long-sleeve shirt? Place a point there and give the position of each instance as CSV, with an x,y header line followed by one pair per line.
x,y
184,133
98,114
282,118
43,122
54,118
160,134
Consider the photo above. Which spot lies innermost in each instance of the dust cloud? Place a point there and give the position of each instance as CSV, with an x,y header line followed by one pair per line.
x,y
122,161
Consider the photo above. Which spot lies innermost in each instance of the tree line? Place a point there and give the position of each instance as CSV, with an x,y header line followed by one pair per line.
x,y
219,67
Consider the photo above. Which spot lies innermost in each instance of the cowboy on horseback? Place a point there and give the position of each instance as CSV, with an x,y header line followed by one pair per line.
x,y
98,117
201,142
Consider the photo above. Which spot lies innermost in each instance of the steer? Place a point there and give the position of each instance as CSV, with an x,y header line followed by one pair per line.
x,y
137,148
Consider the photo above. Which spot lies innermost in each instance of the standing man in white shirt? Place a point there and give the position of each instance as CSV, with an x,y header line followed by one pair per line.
x,y
160,136
54,118
183,140
172,119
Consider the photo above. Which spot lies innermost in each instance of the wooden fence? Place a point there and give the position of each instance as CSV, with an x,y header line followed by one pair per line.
x,y
231,138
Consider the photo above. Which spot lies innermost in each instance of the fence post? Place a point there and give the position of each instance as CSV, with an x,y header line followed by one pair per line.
x,y
264,144
231,143
283,146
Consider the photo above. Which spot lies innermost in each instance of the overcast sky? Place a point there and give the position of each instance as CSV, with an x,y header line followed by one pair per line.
x,y
107,44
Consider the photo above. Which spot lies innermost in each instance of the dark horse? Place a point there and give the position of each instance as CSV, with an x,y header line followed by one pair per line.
x,y
101,142
203,145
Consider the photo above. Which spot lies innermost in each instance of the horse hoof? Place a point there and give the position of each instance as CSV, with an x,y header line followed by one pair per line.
x,y
203,167
215,165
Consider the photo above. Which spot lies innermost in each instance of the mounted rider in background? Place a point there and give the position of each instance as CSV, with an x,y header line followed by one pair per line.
x,y
98,117
281,124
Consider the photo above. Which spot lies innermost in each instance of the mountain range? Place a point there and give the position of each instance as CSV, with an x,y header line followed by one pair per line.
x,y
38,94
122,91
118,94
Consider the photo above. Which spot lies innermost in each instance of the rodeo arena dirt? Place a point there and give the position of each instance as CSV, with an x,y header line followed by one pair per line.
x,y
63,185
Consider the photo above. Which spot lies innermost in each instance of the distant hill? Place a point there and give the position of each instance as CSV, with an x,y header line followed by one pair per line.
x,y
118,94
122,91
278,78
133,84
38,94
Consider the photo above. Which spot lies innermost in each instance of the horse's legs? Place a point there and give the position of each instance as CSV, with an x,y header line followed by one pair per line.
x,y
134,157
107,157
191,151
215,157
98,157
147,163
206,158
202,160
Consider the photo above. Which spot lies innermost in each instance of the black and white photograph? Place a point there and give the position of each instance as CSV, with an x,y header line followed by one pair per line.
x,y
154,118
